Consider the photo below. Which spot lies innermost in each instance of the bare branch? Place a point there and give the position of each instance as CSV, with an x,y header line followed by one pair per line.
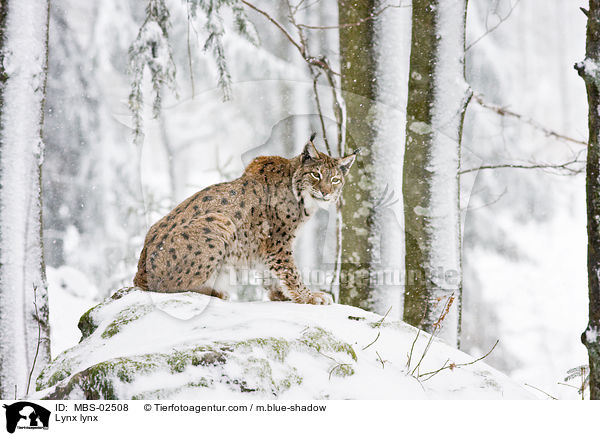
x,y
300,46
189,50
563,166
412,347
436,328
506,112
494,201
37,348
381,360
379,323
543,392
318,103
457,365
374,340
491,29
277,24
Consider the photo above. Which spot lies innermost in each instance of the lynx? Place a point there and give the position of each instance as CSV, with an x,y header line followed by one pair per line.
x,y
249,221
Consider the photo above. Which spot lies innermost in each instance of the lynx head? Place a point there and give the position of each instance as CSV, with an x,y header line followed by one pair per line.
x,y
320,178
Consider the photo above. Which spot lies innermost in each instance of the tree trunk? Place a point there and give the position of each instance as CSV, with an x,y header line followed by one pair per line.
x,y
23,293
437,99
357,60
589,70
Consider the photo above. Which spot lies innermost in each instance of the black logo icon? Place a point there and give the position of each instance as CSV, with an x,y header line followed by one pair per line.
x,y
26,415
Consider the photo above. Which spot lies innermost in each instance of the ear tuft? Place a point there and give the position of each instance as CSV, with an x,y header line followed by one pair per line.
x,y
310,151
346,162
313,136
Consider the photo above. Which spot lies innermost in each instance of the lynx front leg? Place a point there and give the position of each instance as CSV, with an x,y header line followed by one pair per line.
x,y
283,267
275,293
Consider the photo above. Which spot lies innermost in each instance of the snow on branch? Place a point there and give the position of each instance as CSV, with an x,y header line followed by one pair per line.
x,y
151,48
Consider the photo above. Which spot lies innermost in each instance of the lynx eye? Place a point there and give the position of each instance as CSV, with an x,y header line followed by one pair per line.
x,y
315,175
335,180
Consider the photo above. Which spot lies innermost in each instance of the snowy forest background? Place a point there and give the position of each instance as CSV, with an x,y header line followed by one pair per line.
x,y
524,247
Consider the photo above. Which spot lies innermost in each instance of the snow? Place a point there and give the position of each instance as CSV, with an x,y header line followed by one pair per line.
x,y
24,60
272,349
70,293
592,335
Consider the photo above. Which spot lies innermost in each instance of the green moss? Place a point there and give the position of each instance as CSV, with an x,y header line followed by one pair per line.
x,y
276,348
124,317
323,341
97,382
201,383
293,378
86,324
168,393
199,356
56,377
259,368
342,370
178,361
211,358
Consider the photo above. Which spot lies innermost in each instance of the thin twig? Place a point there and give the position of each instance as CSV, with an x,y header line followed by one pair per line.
x,y
571,386
339,365
381,360
37,349
277,24
506,112
300,46
459,365
374,340
490,30
412,347
416,368
380,322
436,328
562,166
494,201
318,103
189,50
538,389
431,374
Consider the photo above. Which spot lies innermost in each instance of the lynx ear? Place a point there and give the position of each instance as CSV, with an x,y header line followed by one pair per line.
x,y
346,162
310,151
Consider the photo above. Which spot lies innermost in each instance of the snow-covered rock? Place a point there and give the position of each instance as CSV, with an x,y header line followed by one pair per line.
x,y
144,345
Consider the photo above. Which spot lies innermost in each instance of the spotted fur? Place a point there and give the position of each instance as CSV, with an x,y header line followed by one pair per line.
x,y
249,221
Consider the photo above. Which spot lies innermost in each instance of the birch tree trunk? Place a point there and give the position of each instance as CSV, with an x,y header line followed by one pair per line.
x,y
357,60
437,99
23,311
589,70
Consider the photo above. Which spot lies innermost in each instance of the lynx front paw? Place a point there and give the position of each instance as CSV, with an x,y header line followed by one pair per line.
x,y
316,297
